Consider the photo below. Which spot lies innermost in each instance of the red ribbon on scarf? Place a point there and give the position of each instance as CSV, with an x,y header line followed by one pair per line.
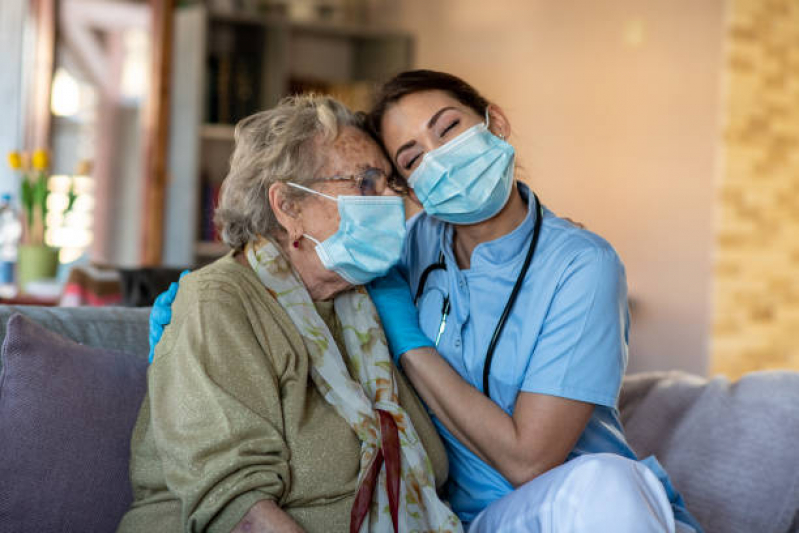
x,y
389,453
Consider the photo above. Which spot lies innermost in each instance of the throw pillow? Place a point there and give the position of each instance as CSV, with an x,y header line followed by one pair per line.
x,y
67,412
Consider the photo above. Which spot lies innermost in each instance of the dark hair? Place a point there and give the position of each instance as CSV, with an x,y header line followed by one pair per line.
x,y
415,81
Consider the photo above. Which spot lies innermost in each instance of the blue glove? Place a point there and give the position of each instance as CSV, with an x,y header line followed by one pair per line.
x,y
392,297
161,314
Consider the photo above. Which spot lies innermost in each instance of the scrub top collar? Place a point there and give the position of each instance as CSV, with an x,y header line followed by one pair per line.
x,y
501,251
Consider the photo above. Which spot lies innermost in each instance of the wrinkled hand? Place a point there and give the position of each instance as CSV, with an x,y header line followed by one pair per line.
x,y
161,314
392,297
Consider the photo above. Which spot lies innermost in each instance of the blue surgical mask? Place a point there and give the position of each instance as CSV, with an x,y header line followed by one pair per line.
x,y
369,239
468,180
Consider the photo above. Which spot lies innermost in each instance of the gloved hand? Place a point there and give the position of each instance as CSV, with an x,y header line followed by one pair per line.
x,y
392,297
161,314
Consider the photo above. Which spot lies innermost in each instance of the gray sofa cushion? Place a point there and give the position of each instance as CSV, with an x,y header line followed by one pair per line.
x,y
117,328
66,416
732,449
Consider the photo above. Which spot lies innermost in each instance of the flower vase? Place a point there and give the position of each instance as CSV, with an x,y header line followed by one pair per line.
x,y
36,262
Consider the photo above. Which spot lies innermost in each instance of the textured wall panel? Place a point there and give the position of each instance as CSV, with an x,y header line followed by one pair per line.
x,y
756,302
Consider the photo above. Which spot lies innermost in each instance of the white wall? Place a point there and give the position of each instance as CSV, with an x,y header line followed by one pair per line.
x,y
12,23
614,106
126,199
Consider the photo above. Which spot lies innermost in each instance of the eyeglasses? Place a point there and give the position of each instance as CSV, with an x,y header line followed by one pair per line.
x,y
370,182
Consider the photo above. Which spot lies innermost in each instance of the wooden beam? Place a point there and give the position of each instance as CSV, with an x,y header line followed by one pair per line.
x,y
156,132
81,23
110,16
107,151
37,131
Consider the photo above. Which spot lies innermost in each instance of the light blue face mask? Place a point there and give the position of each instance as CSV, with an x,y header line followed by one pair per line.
x,y
468,180
369,239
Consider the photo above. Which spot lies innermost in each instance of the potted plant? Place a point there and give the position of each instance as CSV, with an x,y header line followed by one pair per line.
x,y
35,259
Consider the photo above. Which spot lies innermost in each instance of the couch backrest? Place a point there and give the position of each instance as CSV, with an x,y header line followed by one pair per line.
x,y
119,328
729,447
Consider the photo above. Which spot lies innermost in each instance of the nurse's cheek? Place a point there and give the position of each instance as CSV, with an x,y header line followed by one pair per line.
x,y
414,199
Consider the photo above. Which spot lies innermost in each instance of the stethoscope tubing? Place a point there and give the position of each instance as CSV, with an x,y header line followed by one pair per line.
x,y
528,259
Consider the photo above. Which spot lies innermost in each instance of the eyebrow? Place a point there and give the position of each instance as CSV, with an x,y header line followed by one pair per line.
x,y
430,124
434,118
402,148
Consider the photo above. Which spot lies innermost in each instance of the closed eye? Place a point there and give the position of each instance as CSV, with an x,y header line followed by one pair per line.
x,y
448,128
411,162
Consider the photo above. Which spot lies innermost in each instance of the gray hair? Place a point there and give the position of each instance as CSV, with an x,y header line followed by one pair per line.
x,y
275,146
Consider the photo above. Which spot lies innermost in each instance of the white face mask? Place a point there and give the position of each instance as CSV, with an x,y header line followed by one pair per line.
x,y
369,239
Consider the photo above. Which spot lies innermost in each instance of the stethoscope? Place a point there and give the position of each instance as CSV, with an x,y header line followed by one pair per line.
x,y
445,307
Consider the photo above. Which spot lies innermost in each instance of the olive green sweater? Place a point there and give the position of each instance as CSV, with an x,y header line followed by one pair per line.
x,y
232,417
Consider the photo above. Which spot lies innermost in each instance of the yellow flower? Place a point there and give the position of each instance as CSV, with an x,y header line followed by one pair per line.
x,y
14,160
41,160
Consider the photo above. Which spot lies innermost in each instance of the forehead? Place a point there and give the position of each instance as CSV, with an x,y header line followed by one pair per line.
x,y
353,149
409,115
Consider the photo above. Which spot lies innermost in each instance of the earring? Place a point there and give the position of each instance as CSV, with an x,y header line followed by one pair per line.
x,y
502,136
296,244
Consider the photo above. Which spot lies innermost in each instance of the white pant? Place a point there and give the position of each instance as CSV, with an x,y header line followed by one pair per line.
x,y
593,493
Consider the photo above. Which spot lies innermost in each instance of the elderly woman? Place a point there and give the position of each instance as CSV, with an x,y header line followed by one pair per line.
x,y
273,404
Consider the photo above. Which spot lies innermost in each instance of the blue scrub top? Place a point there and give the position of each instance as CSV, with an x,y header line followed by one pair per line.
x,y
566,336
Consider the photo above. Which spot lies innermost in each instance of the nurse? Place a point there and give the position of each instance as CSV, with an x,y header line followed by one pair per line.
x,y
512,324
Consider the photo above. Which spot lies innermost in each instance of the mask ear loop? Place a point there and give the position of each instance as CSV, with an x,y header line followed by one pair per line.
x,y
308,190
311,239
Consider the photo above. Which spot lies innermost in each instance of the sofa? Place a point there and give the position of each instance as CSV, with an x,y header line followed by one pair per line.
x,y
72,380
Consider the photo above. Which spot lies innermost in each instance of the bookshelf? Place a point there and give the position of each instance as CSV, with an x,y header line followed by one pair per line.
x,y
217,132
230,65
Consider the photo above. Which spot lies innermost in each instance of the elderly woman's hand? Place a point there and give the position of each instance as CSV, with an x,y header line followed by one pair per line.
x,y
392,297
266,517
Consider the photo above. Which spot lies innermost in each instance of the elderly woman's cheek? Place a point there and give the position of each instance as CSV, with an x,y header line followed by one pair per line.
x,y
321,219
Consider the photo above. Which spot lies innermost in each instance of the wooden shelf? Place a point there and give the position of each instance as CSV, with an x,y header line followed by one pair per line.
x,y
211,249
330,29
344,30
27,299
246,18
218,132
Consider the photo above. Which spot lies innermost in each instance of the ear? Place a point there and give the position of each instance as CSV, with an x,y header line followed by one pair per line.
x,y
498,122
286,210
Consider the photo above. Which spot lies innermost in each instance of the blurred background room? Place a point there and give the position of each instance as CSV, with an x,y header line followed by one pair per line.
x,y
669,127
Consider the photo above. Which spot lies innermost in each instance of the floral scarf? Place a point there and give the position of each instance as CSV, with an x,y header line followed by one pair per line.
x,y
396,483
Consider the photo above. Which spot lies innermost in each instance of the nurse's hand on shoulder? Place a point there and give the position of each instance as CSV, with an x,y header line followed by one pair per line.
x,y
392,298
161,314
574,222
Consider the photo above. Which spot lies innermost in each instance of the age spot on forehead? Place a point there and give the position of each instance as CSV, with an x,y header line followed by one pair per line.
x,y
353,150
